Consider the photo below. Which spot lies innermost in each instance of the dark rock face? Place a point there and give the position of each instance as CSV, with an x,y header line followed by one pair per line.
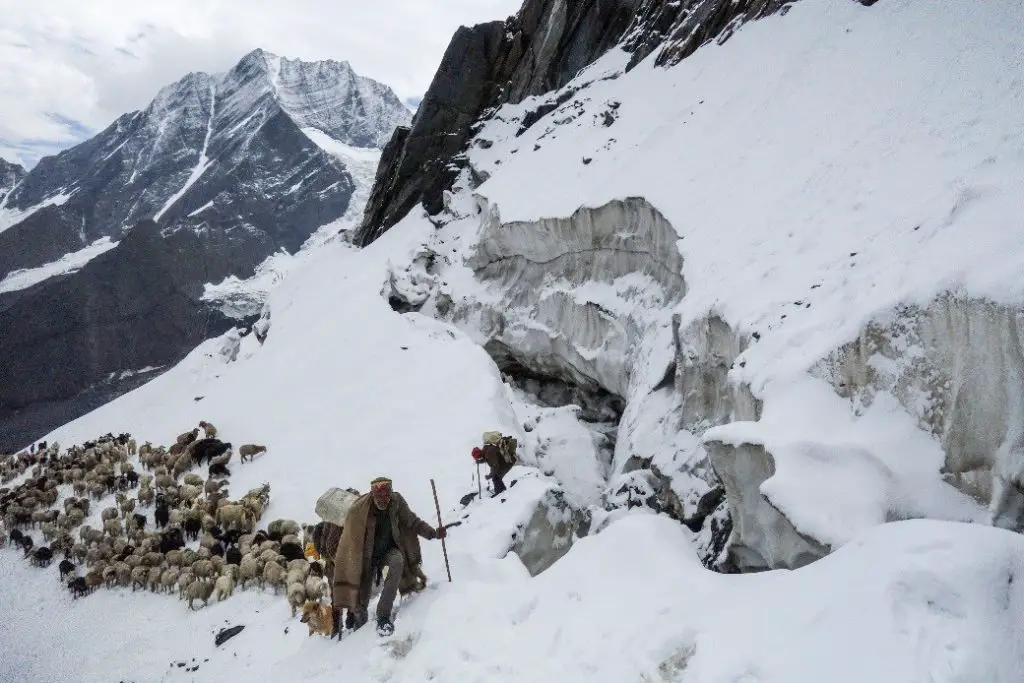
x,y
223,166
539,50
134,307
10,175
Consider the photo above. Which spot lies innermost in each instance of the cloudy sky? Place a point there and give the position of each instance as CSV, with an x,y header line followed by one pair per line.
x,y
70,67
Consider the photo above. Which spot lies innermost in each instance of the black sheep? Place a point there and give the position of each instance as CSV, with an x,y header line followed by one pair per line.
x,y
77,587
26,544
229,537
292,551
217,549
233,555
162,514
140,521
16,536
42,557
219,470
66,567
193,526
171,540
208,449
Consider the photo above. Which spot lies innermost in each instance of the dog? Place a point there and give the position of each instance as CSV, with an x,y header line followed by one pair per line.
x,y
319,618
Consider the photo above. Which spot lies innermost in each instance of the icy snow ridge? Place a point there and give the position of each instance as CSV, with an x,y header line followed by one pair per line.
x,y
885,201
69,263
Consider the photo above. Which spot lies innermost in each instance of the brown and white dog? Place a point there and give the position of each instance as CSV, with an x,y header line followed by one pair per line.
x,y
318,617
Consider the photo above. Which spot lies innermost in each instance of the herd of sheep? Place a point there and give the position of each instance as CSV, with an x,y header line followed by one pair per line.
x,y
50,513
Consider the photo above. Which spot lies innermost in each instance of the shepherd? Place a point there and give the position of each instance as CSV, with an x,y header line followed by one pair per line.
x,y
500,454
379,541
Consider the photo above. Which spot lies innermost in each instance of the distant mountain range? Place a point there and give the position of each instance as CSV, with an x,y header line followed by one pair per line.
x,y
217,173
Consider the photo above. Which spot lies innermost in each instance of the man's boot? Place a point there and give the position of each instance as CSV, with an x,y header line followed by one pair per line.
x,y
336,623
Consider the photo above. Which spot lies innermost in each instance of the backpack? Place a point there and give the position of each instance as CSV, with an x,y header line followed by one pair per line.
x,y
508,445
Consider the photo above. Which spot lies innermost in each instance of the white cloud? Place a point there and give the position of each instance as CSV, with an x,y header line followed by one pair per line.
x,y
89,62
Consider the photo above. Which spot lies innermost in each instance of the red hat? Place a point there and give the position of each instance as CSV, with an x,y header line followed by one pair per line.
x,y
477,453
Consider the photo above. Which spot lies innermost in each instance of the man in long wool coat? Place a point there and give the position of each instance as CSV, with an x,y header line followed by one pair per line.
x,y
380,537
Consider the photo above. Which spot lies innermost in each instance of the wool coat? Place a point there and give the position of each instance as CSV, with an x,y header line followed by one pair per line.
x,y
352,570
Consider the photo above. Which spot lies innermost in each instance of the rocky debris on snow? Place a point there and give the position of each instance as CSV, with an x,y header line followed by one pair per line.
x,y
226,634
549,533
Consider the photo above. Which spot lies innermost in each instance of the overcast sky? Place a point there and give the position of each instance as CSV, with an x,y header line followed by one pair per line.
x,y
70,67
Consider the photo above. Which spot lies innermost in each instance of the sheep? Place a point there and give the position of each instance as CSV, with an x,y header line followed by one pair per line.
x,y
66,567
314,588
140,575
181,465
127,507
203,569
110,576
296,596
301,566
236,517
185,579
192,479
218,470
188,437
273,573
190,493
249,569
109,513
232,555
201,589
292,551
154,576
113,527
224,586
213,486
78,587
279,528
168,579
249,451
208,429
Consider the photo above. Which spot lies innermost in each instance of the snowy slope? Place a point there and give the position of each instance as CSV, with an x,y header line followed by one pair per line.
x,y
855,160
405,396
838,156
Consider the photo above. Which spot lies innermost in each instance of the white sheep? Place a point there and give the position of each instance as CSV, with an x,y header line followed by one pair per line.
x,y
200,589
314,586
296,596
192,479
273,573
250,569
224,587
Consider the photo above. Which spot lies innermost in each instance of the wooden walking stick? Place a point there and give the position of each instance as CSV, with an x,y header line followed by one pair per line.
x,y
440,525
479,483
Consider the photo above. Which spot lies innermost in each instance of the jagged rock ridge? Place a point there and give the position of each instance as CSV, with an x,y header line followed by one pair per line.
x,y
540,49
10,175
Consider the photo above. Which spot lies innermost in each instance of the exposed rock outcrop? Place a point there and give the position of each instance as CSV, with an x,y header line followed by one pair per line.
x,y
540,49
10,175
550,532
